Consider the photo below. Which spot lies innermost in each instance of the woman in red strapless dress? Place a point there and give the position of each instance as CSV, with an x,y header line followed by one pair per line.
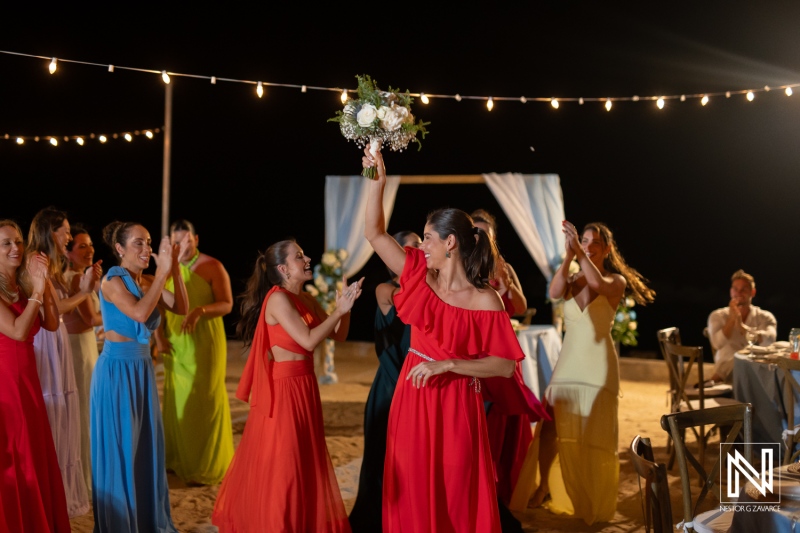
x,y
439,475
31,490
281,477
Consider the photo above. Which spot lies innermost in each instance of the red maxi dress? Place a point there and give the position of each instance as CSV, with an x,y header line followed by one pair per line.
x,y
32,496
281,477
439,475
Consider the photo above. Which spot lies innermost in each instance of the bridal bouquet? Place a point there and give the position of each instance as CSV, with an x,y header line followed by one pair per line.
x,y
379,117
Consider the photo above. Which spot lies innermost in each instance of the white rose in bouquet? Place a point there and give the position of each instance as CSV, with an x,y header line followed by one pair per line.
x,y
366,116
394,118
382,111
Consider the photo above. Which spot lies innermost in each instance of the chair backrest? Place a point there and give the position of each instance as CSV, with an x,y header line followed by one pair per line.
x,y
657,507
738,417
528,315
680,360
791,388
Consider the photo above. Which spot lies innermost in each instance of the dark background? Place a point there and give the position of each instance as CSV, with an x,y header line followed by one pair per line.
x,y
692,193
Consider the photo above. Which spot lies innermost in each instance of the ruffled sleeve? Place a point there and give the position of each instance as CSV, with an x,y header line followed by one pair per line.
x,y
458,332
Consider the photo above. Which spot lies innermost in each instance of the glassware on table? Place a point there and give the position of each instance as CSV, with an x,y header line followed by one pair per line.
x,y
751,335
794,342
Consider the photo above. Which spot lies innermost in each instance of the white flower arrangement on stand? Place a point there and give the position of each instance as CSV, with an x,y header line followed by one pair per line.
x,y
327,281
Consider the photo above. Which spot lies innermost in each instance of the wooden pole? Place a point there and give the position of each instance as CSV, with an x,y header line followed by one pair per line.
x,y
165,181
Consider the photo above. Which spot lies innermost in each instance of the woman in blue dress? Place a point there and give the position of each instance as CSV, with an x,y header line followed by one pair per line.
x,y
392,340
129,481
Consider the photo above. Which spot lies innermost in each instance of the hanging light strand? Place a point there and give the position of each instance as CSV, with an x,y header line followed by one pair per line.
x,y
81,140
553,101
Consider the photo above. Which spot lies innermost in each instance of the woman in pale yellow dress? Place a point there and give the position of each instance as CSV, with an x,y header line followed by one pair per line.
x,y
584,390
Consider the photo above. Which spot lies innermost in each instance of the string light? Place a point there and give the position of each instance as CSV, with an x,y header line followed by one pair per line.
x,y
424,97
490,103
344,95
704,100
80,139
554,103
660,102
260,90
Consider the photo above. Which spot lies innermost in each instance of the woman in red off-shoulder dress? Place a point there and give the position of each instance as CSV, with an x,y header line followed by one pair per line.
x,y
438,470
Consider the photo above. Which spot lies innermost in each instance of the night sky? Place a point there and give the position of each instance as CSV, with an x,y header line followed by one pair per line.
x,y
692,193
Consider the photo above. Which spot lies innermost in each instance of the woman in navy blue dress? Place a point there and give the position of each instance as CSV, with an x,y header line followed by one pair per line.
x,y
129,480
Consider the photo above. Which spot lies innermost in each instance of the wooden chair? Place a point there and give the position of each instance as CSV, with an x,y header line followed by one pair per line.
x,y
683,396
738,418
791,435
656,504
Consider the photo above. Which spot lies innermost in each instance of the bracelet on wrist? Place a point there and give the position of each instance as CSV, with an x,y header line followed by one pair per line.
x,y
35,300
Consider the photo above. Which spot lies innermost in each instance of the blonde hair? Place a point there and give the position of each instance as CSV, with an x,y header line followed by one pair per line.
x,y
741,274
22,276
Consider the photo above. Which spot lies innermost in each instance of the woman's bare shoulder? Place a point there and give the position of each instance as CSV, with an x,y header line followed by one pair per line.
x,y
487,299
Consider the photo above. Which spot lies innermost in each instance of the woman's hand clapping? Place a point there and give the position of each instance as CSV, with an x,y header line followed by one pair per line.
x,y
572,241
348,296
90,277
166,256
37,267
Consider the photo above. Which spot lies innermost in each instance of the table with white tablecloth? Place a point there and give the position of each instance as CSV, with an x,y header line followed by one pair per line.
x,y
541,344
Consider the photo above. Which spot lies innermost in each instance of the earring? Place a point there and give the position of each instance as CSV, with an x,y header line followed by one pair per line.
x,y
447,255
288,276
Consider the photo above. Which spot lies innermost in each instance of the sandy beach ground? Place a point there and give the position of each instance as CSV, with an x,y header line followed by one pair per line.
x,y
644,400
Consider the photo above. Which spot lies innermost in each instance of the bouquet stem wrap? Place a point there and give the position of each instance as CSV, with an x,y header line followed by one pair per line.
x,y
374,148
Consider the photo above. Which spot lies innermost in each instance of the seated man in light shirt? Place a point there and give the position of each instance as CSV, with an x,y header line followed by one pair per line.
x,y
727,326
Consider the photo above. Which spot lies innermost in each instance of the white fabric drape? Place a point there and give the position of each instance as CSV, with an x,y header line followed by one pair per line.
x,y
534,204
345,203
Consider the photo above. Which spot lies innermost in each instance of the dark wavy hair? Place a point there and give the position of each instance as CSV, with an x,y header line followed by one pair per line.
x,y
478,255
182,225
40,239
400,237
637,284
265,275
117,233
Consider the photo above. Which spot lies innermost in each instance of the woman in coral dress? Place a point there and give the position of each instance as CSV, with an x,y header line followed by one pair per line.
x,y
281,478
438,473
584,389
32,496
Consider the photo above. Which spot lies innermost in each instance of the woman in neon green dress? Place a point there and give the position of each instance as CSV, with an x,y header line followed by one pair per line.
x,y
197,418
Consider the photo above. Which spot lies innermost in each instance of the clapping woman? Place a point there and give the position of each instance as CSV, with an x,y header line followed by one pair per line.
x,y
31,490
50,234
129,478
80,323
281,477
438,470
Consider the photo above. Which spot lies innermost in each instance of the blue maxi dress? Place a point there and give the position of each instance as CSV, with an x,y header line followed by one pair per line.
x,y
129,480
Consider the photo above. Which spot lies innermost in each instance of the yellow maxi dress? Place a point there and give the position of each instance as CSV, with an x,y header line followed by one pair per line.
x,y
197,417
584,393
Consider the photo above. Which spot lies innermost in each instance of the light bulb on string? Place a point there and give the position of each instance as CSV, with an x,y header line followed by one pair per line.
x,y
102,139
344,95
111,68
788,91
523,99
20,140
53,65
148,134
580,100
303,89
79,140
554,103
213,80
489,103
704,100
424,98
608,105
128,137
165,77
53,141
750,96
660,102
457,97
260,90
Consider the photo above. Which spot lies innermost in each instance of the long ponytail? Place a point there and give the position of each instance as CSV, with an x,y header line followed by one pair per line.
x,y
477,250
